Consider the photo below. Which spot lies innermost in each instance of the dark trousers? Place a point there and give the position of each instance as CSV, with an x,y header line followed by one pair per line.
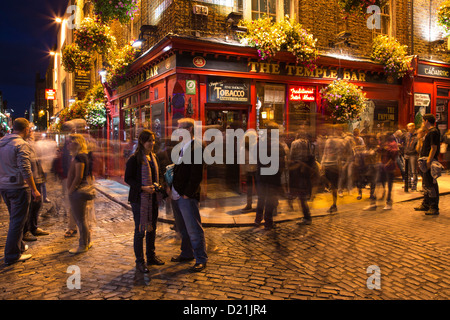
x,y
267,201
150,236
33,214
250,181
430,190
18,202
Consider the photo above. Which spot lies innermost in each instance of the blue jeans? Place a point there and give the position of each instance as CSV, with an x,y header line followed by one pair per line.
x,y
189,224
18,202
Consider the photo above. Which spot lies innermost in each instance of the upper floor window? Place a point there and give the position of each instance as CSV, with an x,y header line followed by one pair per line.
x,y
386,26
264,7
272,8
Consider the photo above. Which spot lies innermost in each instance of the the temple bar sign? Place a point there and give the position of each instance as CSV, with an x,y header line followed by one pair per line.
x,y
300,71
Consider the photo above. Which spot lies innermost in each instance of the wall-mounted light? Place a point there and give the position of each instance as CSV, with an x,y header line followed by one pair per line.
x,y
264,114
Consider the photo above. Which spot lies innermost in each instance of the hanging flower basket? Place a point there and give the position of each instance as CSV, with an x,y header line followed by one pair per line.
x,y
73,58
286,35
359,6
443,15
119,61
93,36
95,114
345,101
392,55
121,10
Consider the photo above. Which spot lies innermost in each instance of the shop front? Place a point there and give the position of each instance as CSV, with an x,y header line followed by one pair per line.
x,y
226,87
432,93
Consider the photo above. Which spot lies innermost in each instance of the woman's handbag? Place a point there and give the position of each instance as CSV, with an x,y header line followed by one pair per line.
x,y
168,175
88,191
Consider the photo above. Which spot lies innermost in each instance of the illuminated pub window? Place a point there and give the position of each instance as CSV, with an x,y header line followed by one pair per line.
x,y
302,106
442,101
386,16
273,100
379,116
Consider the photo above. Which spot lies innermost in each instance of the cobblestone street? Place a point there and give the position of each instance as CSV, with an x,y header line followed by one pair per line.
x,y
326,260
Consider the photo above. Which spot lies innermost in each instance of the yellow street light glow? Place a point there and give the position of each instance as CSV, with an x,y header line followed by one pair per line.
x,y
52,53
58,20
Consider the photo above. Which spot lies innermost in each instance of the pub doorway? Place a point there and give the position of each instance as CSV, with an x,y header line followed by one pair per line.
x,y
223,180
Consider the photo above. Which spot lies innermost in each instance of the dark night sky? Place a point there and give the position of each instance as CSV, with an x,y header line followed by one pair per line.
x,y
27,32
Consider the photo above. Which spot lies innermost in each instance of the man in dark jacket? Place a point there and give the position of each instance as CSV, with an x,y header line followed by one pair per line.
x,y
187,177
16,180
430,146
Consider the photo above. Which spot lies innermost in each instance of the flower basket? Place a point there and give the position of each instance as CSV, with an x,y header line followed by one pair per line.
x,y
392,55
443,15
93,36
286,35
345,101
359,6
73,58
95,114
121,10
119,61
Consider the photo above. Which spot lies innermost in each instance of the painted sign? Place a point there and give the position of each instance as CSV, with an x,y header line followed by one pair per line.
x,y
302,93
228,90
191,86
433,71
50,94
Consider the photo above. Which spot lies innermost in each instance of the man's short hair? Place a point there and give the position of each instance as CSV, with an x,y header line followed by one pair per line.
x,y
186,122
20,124
429,117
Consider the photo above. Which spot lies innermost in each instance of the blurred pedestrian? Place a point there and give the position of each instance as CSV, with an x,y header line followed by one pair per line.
x,y
389,154
16,180
399,138
142,174
347,163
185,193
445,149
371,163
77,181
411,155
430,150
31,229
268,186
331,162
250,166
302,166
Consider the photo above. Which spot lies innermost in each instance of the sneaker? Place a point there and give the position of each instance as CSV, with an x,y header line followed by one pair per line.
x,y
47,200
387,207
341,194
28,236
432,212
372,207
23,257
421,208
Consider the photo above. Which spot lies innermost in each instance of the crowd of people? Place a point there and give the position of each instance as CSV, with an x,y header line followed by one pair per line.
x,y
335,161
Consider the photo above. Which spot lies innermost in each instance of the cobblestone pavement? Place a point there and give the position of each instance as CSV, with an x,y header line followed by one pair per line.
x,y
326,260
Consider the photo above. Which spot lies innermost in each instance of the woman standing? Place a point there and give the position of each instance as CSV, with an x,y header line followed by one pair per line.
x,y
77,181
141,172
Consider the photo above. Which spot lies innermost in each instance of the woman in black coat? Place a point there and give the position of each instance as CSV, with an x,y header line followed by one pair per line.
x,y
141,172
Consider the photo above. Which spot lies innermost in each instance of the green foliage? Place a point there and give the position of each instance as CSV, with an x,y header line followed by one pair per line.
x,y
122,10
443,15
73,58
392,55
92,36
286,35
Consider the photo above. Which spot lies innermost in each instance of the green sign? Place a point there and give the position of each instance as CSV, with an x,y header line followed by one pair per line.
x,y
190,86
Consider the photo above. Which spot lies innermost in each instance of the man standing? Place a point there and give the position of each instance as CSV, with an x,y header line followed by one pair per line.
x,y
430,148
16,179
187,176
